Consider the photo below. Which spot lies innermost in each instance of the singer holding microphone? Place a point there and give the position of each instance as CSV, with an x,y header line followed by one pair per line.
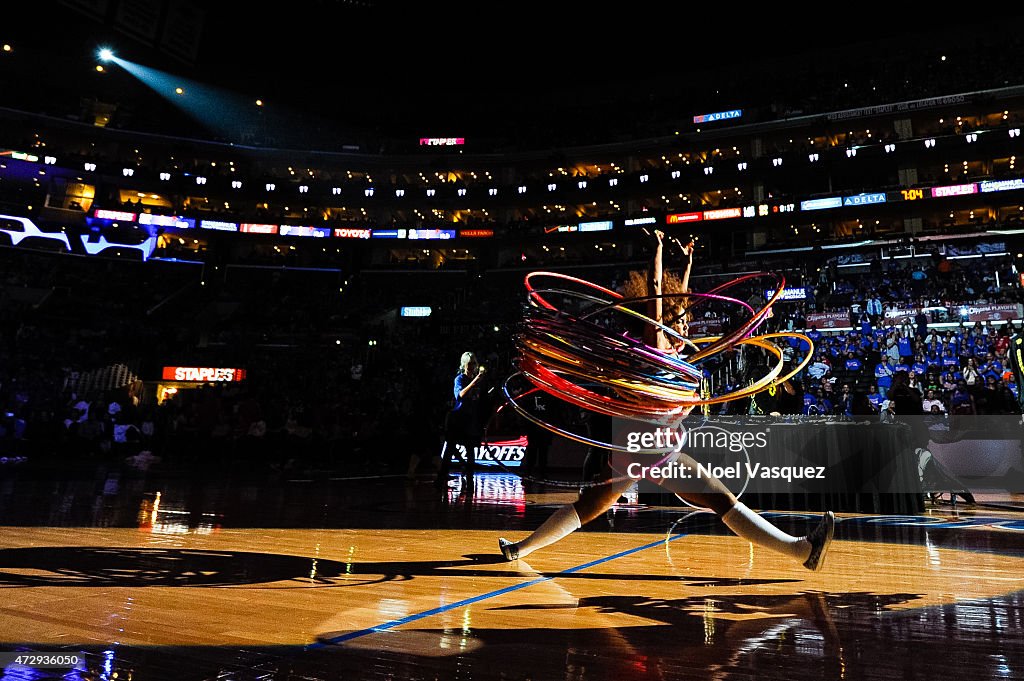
x,y
462,424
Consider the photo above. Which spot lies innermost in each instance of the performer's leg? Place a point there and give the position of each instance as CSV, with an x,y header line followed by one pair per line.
x,y
745,523
592,502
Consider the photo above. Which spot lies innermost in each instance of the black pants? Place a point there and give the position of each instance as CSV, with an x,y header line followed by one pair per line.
x,y
451,449
459,432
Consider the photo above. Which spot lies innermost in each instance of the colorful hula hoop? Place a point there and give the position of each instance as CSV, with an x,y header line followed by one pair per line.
x,y
581,362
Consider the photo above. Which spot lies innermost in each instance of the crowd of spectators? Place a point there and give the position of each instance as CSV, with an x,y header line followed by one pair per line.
x,y
337,381
962,370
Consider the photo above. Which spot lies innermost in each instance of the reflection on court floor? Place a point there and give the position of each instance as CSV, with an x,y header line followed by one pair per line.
x,y
647,593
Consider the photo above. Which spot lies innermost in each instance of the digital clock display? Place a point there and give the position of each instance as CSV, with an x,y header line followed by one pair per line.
x,y
912,194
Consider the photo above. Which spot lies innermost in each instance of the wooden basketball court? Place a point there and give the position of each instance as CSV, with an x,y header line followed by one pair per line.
x,y
388,579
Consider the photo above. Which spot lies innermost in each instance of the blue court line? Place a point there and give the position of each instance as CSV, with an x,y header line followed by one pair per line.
x,y
482,597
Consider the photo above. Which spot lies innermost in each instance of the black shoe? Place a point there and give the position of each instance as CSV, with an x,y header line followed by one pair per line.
x,y
508,549
967,497
820,538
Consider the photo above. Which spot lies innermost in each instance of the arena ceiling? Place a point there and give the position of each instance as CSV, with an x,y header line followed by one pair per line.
x,y
380,64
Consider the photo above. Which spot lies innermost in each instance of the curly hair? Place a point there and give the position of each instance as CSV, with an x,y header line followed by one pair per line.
x,y
635,286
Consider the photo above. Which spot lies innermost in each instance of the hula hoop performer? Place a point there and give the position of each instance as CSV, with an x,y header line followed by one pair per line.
x,y
665,391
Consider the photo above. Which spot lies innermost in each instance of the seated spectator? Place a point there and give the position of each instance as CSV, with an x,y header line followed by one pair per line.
x,y
971,374
932,404
854,367
818,368
844,400
960,400
920,366
875,398
914,382
810,403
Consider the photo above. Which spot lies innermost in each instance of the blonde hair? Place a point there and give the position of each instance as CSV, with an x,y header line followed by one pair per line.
x,y
467,357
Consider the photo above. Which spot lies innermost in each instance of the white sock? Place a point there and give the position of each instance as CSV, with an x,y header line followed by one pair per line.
x,y
755,529
562,523
923,459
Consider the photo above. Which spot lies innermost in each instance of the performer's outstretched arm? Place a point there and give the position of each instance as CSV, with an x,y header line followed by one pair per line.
x,y
652,335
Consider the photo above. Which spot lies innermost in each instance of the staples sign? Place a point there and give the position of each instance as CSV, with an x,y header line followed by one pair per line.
x,y
203,374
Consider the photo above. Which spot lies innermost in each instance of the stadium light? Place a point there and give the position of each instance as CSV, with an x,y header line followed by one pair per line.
x,y
106,54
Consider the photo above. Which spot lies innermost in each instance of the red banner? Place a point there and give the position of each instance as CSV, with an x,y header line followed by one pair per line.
x,y
994,312
706,326
828,320
677,218
899,314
